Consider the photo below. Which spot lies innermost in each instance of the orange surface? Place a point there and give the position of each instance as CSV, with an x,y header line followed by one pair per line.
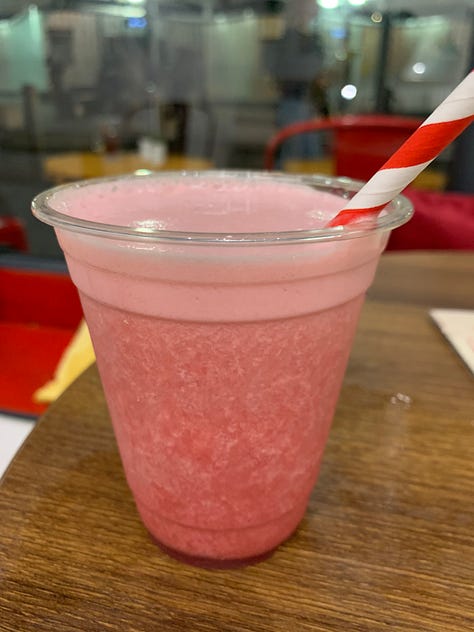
x,y
429,180
82,165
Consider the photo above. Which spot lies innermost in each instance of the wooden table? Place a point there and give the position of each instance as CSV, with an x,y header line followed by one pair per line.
x,y
71,166
387,542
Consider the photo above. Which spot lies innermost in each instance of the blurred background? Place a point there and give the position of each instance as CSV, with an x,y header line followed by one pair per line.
x,y
92,88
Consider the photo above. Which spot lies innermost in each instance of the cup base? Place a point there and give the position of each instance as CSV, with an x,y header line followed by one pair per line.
x,y
224,548
209,563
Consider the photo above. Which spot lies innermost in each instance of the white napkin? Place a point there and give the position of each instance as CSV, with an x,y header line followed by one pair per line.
x,y
458,327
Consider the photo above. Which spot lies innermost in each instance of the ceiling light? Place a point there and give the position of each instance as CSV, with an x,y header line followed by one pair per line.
x,y
419,68
328,4
349,92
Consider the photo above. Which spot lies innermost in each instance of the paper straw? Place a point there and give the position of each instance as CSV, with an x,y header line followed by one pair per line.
x,y
449,119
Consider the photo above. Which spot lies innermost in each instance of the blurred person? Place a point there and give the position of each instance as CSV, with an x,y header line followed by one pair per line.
x,y
183,84
58,61
296,65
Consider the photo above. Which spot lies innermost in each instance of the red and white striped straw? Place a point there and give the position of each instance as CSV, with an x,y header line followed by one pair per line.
x,y
449,119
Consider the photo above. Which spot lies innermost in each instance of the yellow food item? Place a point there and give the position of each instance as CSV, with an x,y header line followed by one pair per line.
x,y
78,355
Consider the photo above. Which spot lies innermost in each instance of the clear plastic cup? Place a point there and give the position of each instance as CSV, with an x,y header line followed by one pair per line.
x,y
221,352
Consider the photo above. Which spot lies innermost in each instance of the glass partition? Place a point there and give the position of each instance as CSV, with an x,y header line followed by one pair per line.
x,y
91,88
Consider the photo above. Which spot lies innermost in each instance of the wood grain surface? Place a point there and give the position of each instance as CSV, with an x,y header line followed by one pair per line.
x,y
387,542
436,279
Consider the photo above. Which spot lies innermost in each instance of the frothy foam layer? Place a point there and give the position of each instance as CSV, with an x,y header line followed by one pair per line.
x,y
224,204
213,282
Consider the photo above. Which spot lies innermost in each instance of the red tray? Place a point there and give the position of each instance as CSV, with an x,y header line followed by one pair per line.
x,y
39,312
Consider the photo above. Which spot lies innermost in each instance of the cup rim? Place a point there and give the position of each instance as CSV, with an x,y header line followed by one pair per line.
x,y
397,212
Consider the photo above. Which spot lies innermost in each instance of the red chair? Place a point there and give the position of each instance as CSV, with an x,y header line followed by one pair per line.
x,y
12,234
361,143
442,221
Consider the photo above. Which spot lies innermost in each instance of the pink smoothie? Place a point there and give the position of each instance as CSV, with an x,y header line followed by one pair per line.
x,y
221,364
